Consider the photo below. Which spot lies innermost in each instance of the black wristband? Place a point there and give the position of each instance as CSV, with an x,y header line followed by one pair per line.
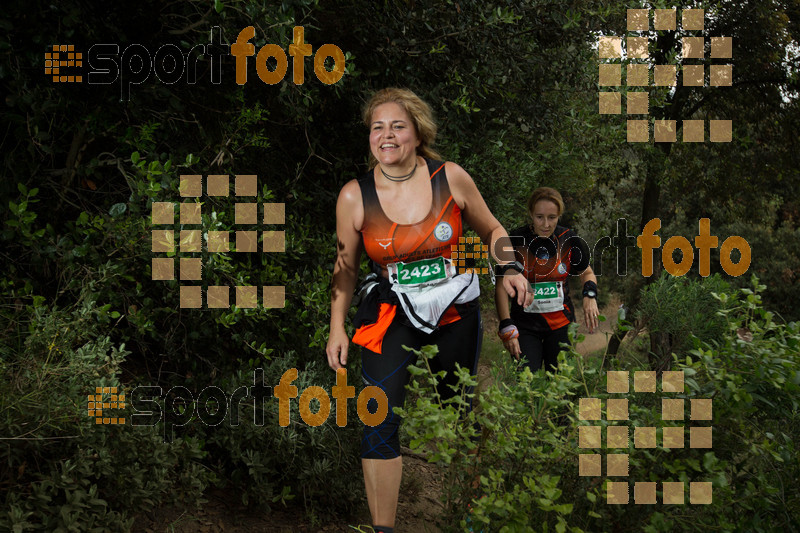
x,y
500,270
590,289
505,323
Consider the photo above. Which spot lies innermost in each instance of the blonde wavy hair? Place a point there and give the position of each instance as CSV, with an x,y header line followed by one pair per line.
x,y
419,112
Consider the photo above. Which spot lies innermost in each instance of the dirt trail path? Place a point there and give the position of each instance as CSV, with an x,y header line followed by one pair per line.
x,y
599,339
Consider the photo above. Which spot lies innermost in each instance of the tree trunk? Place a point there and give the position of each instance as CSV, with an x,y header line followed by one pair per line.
x,y
661,344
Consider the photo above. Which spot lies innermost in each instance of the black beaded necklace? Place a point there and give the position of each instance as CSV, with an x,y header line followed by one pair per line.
x,y
400,178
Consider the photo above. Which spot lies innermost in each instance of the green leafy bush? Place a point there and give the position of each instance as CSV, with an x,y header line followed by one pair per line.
x,y
673,309
753,375
775,253
61,470
507,458
511,464
267,463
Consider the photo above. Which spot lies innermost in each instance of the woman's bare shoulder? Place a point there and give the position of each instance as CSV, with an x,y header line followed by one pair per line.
x,y
349,205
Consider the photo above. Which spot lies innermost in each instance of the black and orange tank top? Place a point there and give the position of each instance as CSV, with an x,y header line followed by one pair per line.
x,y
556,258
389,242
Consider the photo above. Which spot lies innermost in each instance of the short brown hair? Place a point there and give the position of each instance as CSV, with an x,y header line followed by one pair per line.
x,y
419,112
546,193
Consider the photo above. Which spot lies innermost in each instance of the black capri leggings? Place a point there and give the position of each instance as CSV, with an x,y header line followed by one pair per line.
x,y
458,342
538,347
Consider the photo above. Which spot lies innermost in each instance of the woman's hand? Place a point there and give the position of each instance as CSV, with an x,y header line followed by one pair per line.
x,y
590,313
513,347
337,348
517,287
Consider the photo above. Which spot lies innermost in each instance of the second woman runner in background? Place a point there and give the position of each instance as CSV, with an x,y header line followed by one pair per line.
x,y
550,253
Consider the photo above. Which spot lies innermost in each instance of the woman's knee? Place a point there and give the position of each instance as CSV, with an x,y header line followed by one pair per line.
x,y
382,441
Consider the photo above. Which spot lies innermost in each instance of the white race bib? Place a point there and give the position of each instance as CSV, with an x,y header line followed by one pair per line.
x,y
420,273
548,296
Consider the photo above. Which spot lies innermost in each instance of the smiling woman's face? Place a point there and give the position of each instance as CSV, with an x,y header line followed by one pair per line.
x,y
545,217
392,137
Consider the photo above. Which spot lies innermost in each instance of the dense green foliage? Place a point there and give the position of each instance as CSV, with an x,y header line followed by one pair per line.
x,y
514,88
673,309
66,471
514,458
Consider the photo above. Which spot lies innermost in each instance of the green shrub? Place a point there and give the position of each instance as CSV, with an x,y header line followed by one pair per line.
x,y
505,458
269,464
775,255
754,378
519,471
673,309
60,470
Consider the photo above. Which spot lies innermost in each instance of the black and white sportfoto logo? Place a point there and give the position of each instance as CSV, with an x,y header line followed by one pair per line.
x,y
135,63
